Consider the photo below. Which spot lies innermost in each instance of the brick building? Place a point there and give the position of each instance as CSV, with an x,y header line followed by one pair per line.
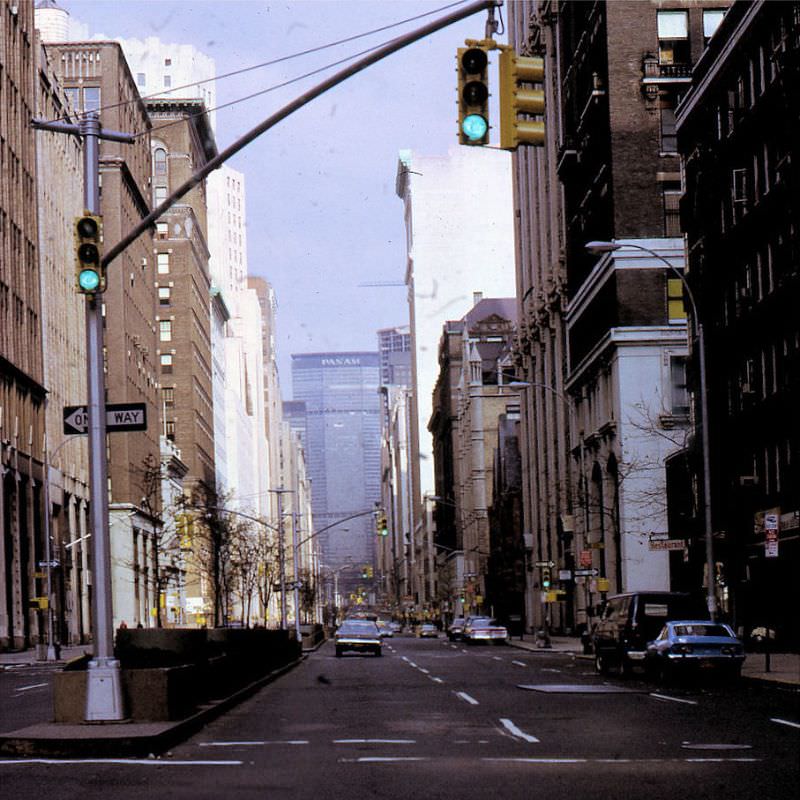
x,y
602,342
738,131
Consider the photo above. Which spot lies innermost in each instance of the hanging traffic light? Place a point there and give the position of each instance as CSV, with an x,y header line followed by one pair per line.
x,y
381,526
518,98
89,272
545,577
473,95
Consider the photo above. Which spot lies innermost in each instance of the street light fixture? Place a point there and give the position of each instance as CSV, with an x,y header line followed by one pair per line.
x,y
600,247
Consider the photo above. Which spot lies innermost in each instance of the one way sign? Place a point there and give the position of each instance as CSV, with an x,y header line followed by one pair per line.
x,y
119,417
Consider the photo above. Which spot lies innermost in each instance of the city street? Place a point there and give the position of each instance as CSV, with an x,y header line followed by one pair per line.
x,y
435,719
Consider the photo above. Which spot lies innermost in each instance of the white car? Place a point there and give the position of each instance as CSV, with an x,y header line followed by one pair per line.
x,y
484,630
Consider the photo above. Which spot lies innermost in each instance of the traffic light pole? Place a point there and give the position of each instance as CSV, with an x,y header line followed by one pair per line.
x,y
103,682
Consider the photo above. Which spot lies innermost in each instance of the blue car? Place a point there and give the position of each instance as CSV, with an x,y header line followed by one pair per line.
x,y
695,646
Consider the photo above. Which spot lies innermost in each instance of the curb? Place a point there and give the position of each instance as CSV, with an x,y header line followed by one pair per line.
x,y
119,745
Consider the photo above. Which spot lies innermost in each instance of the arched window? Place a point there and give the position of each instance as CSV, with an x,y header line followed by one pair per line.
x,y
160,161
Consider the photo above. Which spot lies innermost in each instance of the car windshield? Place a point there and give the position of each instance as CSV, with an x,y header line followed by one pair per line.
x,y
701,629
352,626
482,622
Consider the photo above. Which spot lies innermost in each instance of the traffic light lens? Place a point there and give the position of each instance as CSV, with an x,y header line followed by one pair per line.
x,y
89,280
474,61
88,253
87,228
474,127
475,93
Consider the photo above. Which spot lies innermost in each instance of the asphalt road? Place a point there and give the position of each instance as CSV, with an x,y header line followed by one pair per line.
x,y
26,696
435,720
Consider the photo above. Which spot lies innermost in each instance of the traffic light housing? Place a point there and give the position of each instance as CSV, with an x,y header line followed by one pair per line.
x,y
90,274
473,95
381,526
518,98
546,580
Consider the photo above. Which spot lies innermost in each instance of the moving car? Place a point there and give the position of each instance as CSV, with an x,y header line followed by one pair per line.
x,y
484,630
629,621
694,645
385,628
455,632
427,630
361,635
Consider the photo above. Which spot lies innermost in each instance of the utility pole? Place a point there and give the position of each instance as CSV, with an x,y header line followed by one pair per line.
x,y
281,553
296,582
103,683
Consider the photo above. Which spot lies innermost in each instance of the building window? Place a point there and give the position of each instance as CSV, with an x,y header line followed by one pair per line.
x,y
164,298
675,305
166,363
711,20
141,79
669,138
672,215
160,161
91,98
167,62
168,396
169,429
167,81
165,330
162,259
162,230
679,393
159,195
673,37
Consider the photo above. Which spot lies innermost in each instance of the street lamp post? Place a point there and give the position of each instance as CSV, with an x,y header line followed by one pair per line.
x,y
599,247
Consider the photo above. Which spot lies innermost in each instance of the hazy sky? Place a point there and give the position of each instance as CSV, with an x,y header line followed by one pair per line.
x,y
322,213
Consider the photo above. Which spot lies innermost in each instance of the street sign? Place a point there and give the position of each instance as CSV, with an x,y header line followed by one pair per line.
x,y
51,564
550,564
119,417
587,573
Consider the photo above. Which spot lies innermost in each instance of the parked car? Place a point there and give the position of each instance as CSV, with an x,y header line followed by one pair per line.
x,y
629,621
427,631
396,627
385,629
685,646
455,631
360,635
484,630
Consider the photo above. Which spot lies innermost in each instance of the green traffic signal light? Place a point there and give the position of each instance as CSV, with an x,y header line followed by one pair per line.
x,y
473,95
87,232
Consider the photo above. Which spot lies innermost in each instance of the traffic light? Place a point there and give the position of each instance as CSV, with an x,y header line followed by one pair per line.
x,y
545,577
89,273
381,526
473,95
517,98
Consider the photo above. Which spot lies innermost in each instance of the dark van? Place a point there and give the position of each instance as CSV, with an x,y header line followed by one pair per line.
x,y
629,621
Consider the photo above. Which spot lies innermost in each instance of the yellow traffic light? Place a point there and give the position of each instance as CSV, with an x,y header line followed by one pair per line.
x,y
89,272
473,95
518,98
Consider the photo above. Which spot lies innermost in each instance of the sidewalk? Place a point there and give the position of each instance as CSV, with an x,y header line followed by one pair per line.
x,y
784,667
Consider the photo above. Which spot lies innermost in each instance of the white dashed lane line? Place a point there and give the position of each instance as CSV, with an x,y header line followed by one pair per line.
x,y
464,696
516,732
520,663
32,686
261,743
785,722
673,699
138,762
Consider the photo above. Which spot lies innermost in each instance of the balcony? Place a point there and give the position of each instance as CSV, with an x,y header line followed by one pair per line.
x,y
656,75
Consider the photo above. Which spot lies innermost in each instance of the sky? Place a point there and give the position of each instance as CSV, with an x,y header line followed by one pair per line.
x,y
323,217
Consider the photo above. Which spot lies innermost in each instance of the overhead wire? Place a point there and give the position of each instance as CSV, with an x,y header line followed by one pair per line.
x,y
274,61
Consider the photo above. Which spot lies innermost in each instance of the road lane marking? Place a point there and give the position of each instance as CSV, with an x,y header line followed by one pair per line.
x,y
32,686
142,762
252,743
549,669
785,722
464,696
374,741
438,680
497,658
381,759
424,671
412,664
689,746
520,663
673,699
522,760
515,731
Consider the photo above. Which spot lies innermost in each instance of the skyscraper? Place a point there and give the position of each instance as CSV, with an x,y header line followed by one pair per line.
x,y
340,391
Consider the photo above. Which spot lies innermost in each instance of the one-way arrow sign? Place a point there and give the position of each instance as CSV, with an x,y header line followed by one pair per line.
x,y
587,573
119,417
